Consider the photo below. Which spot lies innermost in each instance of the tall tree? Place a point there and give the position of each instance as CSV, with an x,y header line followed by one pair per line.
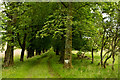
x,y
68,42
11,21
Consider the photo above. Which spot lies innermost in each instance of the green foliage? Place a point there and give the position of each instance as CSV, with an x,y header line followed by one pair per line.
x,y
80,52
42,43
87,21
58,44
56,24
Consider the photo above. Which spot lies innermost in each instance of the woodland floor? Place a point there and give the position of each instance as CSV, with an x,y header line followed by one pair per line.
x,y
47,66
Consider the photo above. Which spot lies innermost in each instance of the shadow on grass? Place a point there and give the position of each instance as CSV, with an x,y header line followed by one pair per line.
x,y
22,69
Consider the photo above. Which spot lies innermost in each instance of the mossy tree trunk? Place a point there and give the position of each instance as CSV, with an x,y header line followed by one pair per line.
x,y
9,53
68,43
8,60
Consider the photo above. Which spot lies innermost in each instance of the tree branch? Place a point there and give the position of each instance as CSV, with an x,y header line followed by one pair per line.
x,y
64,5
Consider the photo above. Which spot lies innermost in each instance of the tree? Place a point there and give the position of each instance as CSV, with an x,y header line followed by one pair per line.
x,y
10,23
68,43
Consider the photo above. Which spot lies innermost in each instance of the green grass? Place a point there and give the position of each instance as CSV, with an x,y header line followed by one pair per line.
x,y
35,67
38,67
84,69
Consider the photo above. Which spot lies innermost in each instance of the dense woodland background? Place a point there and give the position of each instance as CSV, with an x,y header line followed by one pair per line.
x,y
61,35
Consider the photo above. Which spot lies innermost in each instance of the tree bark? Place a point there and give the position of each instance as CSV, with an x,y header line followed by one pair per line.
x,y
8,60
23,48
113,47
106,60
92,56
113,55
68,43
104,56
101,56
102,48
22,54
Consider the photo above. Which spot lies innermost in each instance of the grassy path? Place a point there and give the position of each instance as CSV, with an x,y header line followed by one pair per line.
x,y
51,71
39,69
36,67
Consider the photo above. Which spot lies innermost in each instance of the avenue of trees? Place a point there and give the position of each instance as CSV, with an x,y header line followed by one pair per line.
x,y
83,26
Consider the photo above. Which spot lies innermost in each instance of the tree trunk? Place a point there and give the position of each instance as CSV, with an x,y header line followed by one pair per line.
x,y
113,55
57,51
38,52
30,52
62,54
106,60
8,61
62,51
22,54
102,48
113,47
68,43
105,55
101,56
23,48
30,49
92,56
